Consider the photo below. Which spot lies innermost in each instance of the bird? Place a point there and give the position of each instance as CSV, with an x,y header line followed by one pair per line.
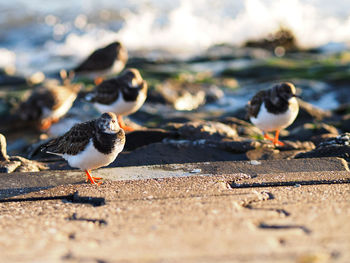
x,y
274,109
105,61
89,145
48,103
123,95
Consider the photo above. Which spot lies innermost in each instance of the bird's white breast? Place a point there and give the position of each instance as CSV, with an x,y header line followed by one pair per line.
x,y
122,107
91,158
267,121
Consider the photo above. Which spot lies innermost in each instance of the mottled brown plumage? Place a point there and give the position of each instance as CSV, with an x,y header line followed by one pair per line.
x,y
274,109
253,106
49,102
90,145
109,90
275,99
74,141
78,137
103,58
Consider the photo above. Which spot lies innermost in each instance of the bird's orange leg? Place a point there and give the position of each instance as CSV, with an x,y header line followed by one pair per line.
x,y
93,180
268,137
98,80
122,124
276,141
45,124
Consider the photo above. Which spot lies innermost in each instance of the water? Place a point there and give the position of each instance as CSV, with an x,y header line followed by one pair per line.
x,y
47,35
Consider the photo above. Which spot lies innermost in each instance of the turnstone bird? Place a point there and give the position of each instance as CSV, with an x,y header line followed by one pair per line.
x,y
90,145
274,109
122,95
108,60
48,103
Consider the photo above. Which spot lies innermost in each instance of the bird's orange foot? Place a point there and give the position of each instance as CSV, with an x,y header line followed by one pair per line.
x,y
45,124
91,179
275,140
279,143
268,137
98,80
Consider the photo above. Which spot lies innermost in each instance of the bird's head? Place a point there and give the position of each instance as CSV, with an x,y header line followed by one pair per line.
x,y
132,77
108,123
285,91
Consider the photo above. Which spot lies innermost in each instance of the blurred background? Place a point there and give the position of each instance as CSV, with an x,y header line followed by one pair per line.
x,y
60,33
203,60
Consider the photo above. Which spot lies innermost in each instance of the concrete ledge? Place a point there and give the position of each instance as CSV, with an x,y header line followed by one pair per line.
x,y
239,174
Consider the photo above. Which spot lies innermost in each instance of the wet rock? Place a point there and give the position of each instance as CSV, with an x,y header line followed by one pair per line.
x,y
308,131
10,79
141,138
310,113
174,152
263,154
344,124
203,130
343,139
243,128
184,95
9,164
338,146
297,145
239,146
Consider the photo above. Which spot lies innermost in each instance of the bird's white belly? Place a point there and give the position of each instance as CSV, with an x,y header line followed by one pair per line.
x,y
122,107
267,121
91,158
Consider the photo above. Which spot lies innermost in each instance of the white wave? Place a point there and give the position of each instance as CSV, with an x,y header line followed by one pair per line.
x,y
7,58
192,26
185,27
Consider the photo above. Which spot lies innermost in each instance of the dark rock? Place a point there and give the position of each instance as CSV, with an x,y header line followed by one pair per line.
x,y
243,128
141,138
204,130
309,113
338,146
297,145
345,123
308,130
171,152
343,139
263,154
267,151
239,146
283,38
9,80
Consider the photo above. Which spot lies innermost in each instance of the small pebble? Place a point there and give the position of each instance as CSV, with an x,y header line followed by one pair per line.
x,y
195,171
297,185
255,162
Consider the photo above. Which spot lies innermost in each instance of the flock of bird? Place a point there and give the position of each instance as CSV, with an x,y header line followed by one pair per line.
x,y
98,142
